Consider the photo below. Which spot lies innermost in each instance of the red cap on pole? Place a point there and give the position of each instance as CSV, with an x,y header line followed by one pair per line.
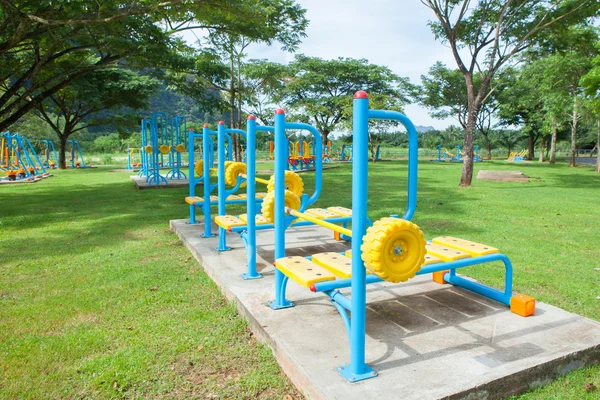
x,y
361,94
205,125
221,123
279,111
251,117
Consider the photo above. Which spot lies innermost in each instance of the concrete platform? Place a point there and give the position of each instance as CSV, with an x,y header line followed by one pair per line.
x,y
501,176
140,183
426,341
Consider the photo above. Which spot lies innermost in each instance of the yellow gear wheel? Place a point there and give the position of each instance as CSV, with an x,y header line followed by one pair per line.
x,y
268,205
148,149
293,183
180,148
199,168
233,170
393,249
163,149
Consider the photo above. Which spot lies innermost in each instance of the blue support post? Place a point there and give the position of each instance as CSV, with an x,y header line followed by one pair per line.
x,y
221,184
192,181
206,181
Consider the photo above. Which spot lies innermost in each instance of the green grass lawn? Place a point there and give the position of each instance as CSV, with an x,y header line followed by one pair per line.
x,y
98,299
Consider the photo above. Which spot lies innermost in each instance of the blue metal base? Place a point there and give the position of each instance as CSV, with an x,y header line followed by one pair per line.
x,y
218,249
204,235
275,306
248,277
350,377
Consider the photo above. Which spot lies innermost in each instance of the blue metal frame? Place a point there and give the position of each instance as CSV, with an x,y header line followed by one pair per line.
x,y
76,151
49,153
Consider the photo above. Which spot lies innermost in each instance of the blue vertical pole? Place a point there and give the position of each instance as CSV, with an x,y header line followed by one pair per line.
x,y
206,183
221,185
281,150
192,179
357,369
251,198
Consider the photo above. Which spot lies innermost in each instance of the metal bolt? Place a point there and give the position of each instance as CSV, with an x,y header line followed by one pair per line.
x,y
398,250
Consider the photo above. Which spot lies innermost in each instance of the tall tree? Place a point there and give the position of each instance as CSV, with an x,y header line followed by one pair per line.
x,y
77,106
46,45
591,83
322,89
484,36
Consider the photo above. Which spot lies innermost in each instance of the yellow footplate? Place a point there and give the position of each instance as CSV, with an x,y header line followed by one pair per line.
x,y
193,200
341,211
260,220
321,213
429,259
474,249
228,221
446,253
259,195
303,271
336,263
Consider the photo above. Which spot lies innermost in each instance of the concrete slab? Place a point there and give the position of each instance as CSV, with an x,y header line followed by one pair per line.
x,y
426,341
501,176
140,183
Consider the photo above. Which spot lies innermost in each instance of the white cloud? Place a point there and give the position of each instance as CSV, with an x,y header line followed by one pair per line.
x,y
394,33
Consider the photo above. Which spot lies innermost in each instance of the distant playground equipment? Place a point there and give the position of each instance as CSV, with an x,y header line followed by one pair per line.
x,y
300,155
76,157
345,153
444,155
134,158
392,249
518,156
163,142
476,157
18,159
50,157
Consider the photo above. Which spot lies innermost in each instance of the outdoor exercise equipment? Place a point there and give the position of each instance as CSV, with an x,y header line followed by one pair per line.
x,y
393,249
76,159
244,224
134,162
301,157
476,157
20,161
50,157
346,153
378,153
517,156
177,140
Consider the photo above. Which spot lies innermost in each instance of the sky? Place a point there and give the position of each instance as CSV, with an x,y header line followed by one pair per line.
x,y
394,33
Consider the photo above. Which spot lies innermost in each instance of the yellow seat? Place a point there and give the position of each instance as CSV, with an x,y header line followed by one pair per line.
x,y
193,200
336,263
260,220
228,221
303,271
232,197
321,213
341,211
474,249
446,253
431,259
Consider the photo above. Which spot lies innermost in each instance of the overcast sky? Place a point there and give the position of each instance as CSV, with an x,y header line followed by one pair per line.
x,y
393,33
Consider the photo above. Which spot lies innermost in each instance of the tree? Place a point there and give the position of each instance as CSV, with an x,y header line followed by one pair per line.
x,y
591,83
77,106
508,139
47,45
484,36
323,89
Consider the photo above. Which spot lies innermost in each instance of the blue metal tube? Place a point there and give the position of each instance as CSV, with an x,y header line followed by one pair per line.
x,y
221,192
207,186
280,223
413,155
250,198
192,179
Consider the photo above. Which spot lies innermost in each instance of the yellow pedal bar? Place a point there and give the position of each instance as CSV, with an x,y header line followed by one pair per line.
x,y
446,253
473,248
260,220
321,213
260,180
302,271
317,221
342,211
228,221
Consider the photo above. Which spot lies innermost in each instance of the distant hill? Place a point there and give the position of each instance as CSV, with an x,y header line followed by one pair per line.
x,y
421,128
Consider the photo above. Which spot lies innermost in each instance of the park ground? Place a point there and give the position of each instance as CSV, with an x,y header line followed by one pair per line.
x,y
98,299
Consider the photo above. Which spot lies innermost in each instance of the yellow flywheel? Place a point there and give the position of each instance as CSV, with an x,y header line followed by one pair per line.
x,y
394,249
199,168
293,183
180,148
163,149
233,170
148,149
268,206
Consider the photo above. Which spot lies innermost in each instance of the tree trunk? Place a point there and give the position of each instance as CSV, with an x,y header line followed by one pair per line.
x,y
531,146
598,147
553,142
62,149
574,131
325,134
467,170
234,138
488,146
542,143
508,154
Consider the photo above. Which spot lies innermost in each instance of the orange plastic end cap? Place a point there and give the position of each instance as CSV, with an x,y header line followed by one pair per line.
x,y
522,305
337,235
361,94
438,277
